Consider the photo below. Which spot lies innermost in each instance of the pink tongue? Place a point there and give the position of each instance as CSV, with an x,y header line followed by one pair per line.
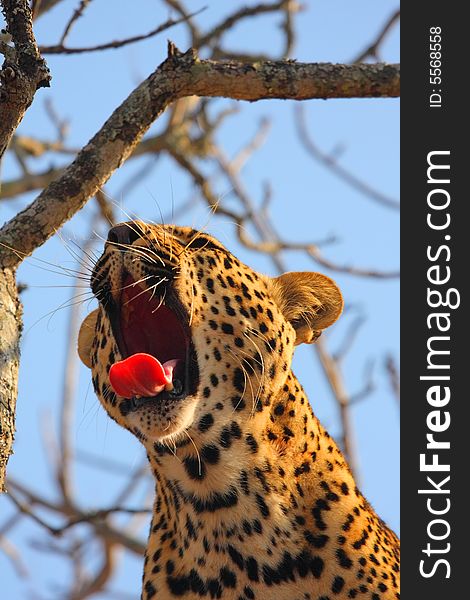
x,y
141,375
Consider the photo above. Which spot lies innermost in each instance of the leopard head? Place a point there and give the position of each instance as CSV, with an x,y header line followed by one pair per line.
x,y
222,335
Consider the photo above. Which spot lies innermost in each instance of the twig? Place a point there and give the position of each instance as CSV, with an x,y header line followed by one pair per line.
x,y
101,527
337,169
180,9
372,49
91,586
288,26
349,339
61,49
11,552
77,13
270,243
258,140
81,517
98,515
394,376
335,380
35,148
314,252
27,510
61,125
131,484
100,462
11,189
368,387
247,11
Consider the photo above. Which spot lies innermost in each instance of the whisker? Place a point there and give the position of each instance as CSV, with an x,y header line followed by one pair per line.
x,y
160,303
145,253
64,270
245,376
80,287
197,452
67,304
263,370
144,290
79,257
259,378
191,312
85,254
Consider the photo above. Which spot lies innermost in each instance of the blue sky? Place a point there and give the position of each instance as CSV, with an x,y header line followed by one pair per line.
x,y
308,203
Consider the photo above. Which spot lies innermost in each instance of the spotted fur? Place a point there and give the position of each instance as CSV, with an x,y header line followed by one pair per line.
x,y
254,500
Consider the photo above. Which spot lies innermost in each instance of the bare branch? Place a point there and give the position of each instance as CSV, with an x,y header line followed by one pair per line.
x,y
368,386
336,168
91,586
99,462
61,49
102,527
179,8
394,376
179,76
98,515
27,510
314,252
32,147
288,26
257,141
29,183
247,11
372,49
349,339
11,552
335,380
61,125
270,242
77,13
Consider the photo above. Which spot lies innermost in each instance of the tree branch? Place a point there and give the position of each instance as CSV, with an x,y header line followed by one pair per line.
x,y
243,13
61,49
335,380
372,49
179,75
77,13
23,70
331,163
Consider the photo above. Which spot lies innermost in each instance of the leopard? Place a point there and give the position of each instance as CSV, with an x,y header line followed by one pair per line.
x,y
253,498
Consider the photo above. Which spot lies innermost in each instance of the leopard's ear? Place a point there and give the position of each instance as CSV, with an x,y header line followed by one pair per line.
x,y
311,302
86,336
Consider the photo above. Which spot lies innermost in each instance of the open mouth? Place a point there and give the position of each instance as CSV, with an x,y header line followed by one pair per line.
x,y
158,357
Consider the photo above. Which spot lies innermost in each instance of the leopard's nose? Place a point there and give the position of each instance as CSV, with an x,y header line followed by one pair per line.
x,y
123,235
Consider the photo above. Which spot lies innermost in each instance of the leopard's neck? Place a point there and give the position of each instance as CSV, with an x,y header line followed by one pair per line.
x,y
258,492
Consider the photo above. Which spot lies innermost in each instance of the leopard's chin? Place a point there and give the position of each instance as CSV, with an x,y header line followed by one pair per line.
x,y
162,421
